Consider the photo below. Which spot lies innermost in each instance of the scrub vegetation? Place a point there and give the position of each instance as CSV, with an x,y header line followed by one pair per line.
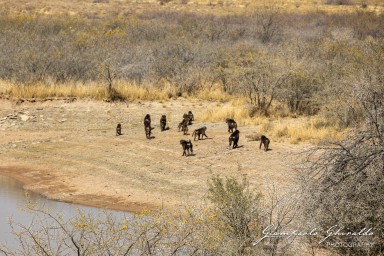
x,y
309,71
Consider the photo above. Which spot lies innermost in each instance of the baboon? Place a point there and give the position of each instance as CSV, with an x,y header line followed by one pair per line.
x,y
187,118
190,115
147,126
180,126
184,127
163,122
232,125
148,130
264,140
198,132
147,120
234,137
118,130
187,147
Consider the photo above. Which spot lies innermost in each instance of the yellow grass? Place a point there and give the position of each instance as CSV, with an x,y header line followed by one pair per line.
x,y
304,129
226,110
219,7
90,90
294,130
215,94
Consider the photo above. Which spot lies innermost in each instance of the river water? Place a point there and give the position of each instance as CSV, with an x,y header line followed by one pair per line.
x,y
13,200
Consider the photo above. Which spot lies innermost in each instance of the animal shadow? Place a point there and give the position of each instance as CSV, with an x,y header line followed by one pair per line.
x,y
241,146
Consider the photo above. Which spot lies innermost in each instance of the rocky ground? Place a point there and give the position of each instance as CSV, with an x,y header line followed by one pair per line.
x,y
69,151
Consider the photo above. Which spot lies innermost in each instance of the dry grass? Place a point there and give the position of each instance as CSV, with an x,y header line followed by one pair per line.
x,y
90,90
227,110
215,95
92,8
294,130
304,129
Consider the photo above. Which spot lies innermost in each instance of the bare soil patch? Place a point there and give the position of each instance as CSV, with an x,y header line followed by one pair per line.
x,y
68,151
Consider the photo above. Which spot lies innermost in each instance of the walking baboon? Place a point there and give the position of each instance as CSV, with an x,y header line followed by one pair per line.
x,y
147,120
232,125
184,127
180,126
201,131
118,130
163,122
187,118
147,126
148,130
264,140
187,147
234,138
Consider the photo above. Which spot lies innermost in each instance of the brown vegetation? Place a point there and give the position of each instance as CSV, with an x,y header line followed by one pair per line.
x,y
280,62
269,66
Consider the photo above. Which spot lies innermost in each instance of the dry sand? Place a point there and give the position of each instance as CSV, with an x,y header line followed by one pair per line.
x,y
69,152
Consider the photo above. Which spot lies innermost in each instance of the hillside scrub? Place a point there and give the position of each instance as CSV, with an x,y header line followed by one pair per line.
x,y
343,181
302,61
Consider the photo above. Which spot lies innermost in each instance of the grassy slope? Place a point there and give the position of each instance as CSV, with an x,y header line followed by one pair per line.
x,y
100,8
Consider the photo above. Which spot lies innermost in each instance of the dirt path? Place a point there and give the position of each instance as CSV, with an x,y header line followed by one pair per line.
x,y
69,152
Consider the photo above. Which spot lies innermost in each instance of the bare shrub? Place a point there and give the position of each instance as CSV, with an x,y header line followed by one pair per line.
x,y
238,210
270,24
344,181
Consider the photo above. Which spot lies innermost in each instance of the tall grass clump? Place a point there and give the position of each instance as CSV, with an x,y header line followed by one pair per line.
x,y
92,90
307,130
224,111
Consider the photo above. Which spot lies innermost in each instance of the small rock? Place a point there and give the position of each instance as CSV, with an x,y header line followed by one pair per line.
x,y
24,117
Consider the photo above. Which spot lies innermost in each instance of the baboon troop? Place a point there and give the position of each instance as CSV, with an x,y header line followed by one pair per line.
x,y
163,123
199,132
187,147
234,138
118,130
232,125
264,140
